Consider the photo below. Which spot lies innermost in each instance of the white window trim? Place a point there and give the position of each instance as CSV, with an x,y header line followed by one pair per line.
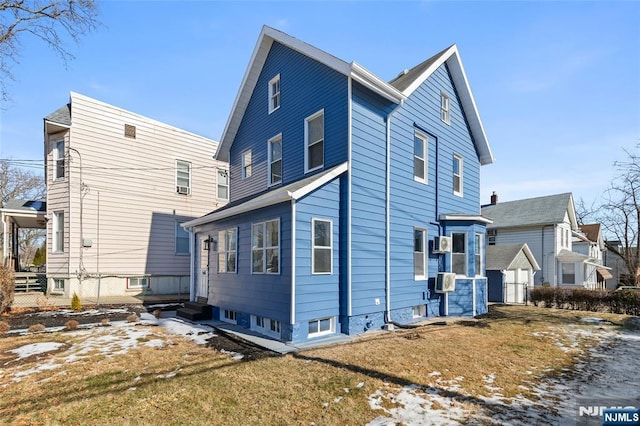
x,y
265,247
422,311
57,289
266,327
574,273
460,175
445,108
466,254
246,175
272,94
306,141
313,245
425,241
277,137
227,251
425,159
175,242
331,330
231,312
56,158
218,185
482,248
188,163
58,234
146,285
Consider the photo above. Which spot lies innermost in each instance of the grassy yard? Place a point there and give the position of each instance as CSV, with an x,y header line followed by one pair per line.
x,y
182,383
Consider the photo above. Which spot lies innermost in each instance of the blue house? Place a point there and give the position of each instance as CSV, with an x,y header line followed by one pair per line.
x,y
354,202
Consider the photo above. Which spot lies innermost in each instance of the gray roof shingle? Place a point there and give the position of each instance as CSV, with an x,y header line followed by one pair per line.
x,y
404,80
61,116
547,210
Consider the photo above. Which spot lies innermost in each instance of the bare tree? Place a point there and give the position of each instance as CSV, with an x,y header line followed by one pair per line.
x,y
52,21
620,213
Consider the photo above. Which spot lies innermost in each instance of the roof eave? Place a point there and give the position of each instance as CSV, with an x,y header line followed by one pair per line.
x,y
374,83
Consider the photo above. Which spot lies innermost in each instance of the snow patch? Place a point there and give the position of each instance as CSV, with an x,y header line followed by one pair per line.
x,y
36,349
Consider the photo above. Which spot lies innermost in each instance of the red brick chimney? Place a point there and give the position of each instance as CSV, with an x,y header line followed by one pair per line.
x,y
494,198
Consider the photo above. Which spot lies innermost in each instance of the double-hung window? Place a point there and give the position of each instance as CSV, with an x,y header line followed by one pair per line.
x,y
420,150
568,273
265,247
58,158
275,159
314,141
182,239
322,250
457,174
227,250
274,93
58,231
444,108
223,184
246,164
459,253
419,254
478,248
183,177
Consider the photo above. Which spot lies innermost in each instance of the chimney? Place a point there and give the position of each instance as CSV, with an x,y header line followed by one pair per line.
x,y
494,198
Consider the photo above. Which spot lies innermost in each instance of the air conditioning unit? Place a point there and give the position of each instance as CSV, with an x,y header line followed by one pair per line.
x,y
442,244
182,190
446,282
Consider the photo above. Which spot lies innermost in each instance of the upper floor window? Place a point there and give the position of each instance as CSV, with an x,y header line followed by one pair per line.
x,y
183,177
322,248
457,174
314,141
182,239
58,158
419,254
444,108
58,232
478,247
459,253
420,148
223,184
265,247
274,93
227,250
275,160
246,164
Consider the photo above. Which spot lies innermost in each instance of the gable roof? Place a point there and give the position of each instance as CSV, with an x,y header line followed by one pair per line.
x,y
538,211
500,257
396,91
591,231
293,191
60,116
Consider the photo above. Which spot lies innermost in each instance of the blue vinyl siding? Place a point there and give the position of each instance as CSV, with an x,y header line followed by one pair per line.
x,y
461,300
481,296
306,87
267,295
368,201
317,296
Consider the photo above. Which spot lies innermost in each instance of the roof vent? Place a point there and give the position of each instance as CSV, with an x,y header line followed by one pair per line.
x,y
403,72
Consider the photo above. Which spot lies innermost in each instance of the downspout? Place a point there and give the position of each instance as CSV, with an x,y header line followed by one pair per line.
x,y
192,265
543,253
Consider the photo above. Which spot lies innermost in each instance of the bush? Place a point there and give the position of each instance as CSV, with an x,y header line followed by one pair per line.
x,y
37,328
4,327
76,304
157,313
133,318
71,325
105,322
617,302
7,286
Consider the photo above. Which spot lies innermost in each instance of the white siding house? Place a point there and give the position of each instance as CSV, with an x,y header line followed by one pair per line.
x,y
118,187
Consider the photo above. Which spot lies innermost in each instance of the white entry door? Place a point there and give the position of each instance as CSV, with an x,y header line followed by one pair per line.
x,y
202,274
516,282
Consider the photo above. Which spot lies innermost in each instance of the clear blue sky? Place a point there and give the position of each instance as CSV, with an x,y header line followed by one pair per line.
x,y
557,84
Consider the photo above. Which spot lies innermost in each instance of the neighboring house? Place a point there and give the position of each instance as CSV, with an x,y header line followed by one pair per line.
x,y
16,215
510,271
119,185
546,224
617,267
341,184
589,242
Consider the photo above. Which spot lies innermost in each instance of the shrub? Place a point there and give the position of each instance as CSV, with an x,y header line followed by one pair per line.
x,y
544,296
7,286
104,322
76,304
4,327
157,313
71,325
133,318
617,302
37,328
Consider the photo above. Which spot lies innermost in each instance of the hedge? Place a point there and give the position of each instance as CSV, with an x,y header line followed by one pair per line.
x,y
618,302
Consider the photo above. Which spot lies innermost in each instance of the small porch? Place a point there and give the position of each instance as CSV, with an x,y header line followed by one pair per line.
x,y
16,215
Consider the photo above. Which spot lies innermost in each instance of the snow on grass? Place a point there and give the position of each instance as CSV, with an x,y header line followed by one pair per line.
x,y
196,332
35,349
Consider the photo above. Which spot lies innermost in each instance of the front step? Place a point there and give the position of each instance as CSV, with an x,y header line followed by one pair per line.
x,y
195,311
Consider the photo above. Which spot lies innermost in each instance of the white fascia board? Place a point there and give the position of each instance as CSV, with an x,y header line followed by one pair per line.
x,y
53,123
531,257
337,171
427,73
465,217
374,83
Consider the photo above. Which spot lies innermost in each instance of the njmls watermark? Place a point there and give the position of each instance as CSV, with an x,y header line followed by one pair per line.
x,y
608,412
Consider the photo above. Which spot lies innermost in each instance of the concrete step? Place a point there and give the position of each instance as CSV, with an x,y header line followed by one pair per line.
x,y
190,314
201,307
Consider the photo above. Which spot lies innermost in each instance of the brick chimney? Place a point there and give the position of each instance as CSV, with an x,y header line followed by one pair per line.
x,y
494,198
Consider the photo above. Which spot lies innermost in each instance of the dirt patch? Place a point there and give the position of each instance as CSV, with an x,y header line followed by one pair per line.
x,y
226,342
